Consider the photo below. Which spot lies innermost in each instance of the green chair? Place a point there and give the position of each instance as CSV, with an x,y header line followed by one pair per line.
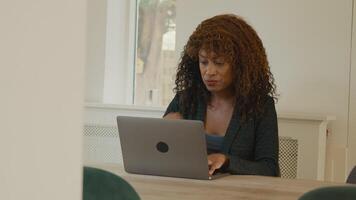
x,y
331,193
102,185
352,176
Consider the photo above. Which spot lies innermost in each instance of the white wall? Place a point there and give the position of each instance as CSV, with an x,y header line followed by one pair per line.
x,y
117,55
95,59
41,93
111,34
352,114
308,45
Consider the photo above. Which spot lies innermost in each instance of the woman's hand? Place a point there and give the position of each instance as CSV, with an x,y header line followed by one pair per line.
x,y
173,115
216,161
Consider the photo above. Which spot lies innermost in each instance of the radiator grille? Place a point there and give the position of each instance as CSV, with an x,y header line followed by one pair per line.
x,y
102,145
288,157
101,131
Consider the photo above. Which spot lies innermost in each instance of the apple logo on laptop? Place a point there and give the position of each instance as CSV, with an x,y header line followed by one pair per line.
x,y
162,147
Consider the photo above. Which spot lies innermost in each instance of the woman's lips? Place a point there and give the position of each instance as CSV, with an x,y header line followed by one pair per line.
x,y
211,82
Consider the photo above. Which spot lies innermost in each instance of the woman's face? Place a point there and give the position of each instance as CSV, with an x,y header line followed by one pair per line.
x,y
216,73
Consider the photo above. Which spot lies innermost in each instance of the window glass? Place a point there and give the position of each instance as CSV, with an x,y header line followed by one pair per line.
x,y
156,60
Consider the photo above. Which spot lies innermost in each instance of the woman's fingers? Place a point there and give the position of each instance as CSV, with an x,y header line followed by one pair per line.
x,y
214,166
210,162
211,170
215,161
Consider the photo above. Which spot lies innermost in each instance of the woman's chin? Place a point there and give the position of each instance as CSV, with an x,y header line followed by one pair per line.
x,y
213,89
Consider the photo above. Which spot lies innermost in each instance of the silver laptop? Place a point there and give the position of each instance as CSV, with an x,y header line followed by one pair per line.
x,y
154,146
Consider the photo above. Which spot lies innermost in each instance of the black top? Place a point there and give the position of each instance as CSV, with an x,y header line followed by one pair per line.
x,y
252,146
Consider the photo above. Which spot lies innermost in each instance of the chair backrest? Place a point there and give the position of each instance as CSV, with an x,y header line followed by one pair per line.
x,y
102,185
331,193
352,176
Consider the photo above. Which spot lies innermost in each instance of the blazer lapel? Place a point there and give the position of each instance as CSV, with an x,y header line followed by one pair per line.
x,y
201,112
231,132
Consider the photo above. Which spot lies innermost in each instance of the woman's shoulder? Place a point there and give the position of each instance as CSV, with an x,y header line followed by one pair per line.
x,y
173,105
269,99
269,106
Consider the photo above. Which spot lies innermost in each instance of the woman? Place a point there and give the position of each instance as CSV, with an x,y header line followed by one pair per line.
x,y
224,80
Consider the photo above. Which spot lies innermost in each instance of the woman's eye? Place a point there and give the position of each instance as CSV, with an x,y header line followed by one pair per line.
x,y
203,62
219,63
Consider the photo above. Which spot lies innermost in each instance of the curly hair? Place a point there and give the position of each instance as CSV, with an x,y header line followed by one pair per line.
x,y
230,37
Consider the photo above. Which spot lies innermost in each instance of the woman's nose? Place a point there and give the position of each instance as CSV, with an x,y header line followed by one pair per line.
x,y
211,70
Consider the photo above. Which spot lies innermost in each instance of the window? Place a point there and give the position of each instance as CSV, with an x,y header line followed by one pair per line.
x,y
155,61
131,52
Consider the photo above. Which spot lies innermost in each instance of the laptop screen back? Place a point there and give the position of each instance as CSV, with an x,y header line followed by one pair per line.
x,y
163,147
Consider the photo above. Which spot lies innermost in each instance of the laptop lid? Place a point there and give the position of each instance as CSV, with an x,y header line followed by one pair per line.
x,y
155,146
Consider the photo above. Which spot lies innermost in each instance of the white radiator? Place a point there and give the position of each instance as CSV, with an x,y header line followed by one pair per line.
x,y
102,145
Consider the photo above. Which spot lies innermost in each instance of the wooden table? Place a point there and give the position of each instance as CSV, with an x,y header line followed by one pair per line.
x,y
234,187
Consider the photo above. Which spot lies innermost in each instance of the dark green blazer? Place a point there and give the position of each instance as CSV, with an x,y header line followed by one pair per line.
x,y
252,146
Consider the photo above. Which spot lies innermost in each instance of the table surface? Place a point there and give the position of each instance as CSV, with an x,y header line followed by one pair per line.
x,y
228,188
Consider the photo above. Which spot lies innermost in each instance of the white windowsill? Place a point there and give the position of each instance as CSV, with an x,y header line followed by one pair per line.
x,y
281,115
124,107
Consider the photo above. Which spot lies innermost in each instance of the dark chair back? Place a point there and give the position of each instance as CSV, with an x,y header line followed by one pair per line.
x,y
331,193
102,185
352,176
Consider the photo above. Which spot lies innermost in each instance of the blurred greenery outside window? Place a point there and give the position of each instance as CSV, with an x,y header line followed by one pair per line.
x,y
156,60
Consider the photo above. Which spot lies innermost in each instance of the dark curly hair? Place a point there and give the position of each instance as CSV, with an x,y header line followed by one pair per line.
x,y
230,37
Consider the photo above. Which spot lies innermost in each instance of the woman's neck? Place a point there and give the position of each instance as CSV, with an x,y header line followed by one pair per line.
x,y
219,99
